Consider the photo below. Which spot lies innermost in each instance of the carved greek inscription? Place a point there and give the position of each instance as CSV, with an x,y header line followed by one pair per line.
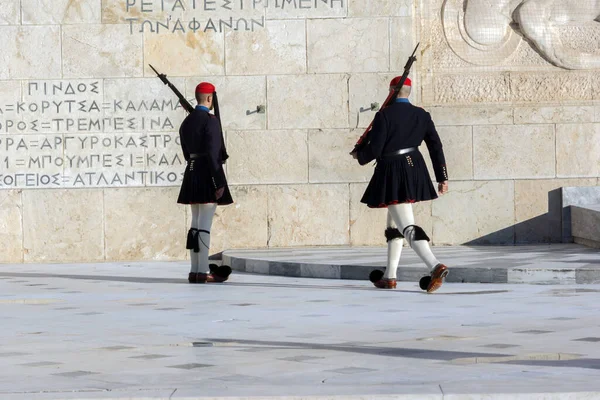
x,y
67,134
158,16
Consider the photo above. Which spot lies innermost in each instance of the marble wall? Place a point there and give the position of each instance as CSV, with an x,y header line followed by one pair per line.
x,y
90,162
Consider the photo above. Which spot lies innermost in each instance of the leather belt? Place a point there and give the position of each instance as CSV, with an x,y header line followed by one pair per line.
x,y
196,156
401,152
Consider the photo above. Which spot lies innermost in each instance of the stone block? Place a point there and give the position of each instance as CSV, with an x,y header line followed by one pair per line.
x,y
478,275
550,86
30,52
143,105
333,45
423,217
242,224
587,276
320,271
366,89
308,215
40,12
458,150
104,160
257,267
471,88
9,12
402,44
546,277
585,222
576,196
329,159
551,115
155,224
189,54
577,149
538,217
285,269
63,225
306,9
367,225
380,8
110,51
358,272
239,98
279,48
311,110
492,115
514,151
475,213
587,242
267,157
10,94
11,228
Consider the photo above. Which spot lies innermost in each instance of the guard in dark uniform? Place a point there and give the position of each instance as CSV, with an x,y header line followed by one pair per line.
x,y
400,179
204,183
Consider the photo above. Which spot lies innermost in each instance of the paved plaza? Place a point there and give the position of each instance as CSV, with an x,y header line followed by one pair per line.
x,y
139,331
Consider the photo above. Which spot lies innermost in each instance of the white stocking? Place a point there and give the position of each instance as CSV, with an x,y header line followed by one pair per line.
x,y
194,225
204,221
404,218
394,251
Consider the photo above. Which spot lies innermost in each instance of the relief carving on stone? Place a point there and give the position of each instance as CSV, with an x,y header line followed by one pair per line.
x,y
486,32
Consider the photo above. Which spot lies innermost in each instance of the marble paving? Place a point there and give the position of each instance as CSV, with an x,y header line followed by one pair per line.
x,y
139,331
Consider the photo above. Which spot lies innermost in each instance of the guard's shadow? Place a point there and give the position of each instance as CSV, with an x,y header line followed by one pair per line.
x,y
134,279
426,354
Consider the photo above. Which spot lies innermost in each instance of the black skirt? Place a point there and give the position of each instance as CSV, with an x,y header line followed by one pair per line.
x,y
399,179
197,186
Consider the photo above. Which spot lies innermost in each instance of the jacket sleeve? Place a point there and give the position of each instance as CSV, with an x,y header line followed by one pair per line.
x,y
214,144
186,153
436,151
376,141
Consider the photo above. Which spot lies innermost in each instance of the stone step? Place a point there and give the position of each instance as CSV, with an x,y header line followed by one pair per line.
x,y
540,264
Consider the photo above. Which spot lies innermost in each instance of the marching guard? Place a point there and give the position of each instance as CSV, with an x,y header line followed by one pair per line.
x,y
400,179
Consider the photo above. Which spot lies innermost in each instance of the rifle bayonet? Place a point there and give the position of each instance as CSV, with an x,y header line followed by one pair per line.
x,y
182,100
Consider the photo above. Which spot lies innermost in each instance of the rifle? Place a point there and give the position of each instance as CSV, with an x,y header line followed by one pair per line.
x,y
184,103
364,139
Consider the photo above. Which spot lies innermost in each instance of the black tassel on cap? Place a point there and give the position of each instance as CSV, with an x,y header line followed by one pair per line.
x,y
224,154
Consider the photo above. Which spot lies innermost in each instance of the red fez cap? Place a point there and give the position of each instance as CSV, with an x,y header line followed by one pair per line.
x,y
205,87
396,81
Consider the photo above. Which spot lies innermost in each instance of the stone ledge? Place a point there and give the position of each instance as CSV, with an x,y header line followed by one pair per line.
x,y
585,225
554,264
575,196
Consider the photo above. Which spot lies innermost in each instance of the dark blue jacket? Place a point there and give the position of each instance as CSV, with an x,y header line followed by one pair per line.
x,y
402,125
200,134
